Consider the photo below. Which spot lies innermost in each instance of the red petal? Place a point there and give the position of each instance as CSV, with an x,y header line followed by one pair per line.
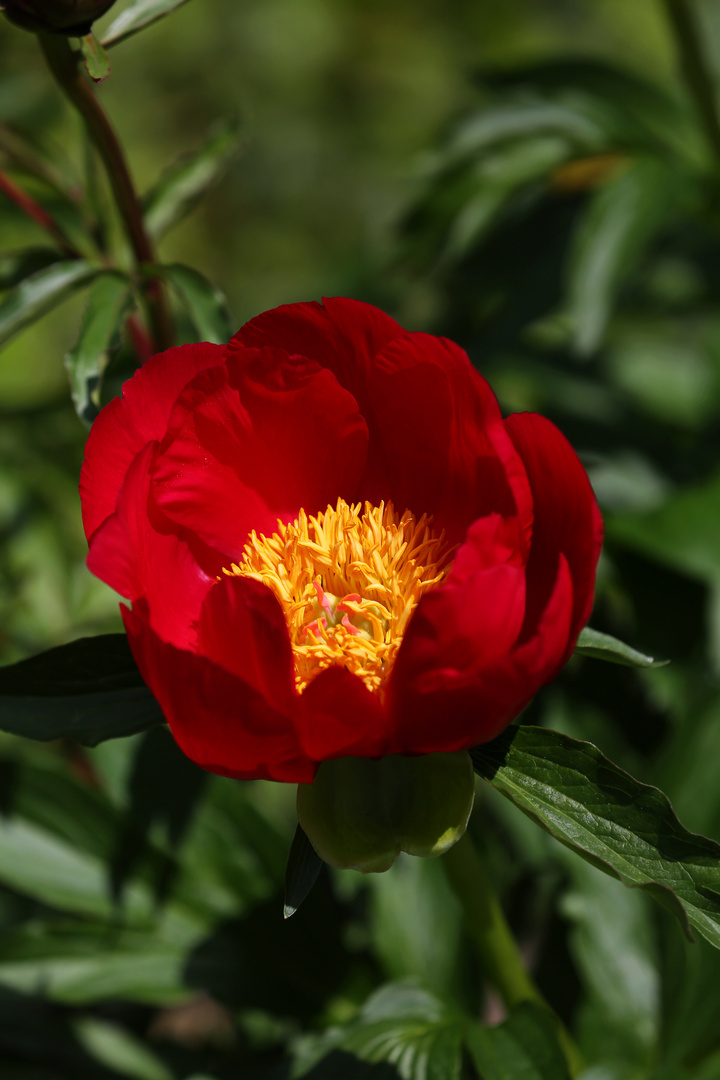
x,y
242,628
342,718
465,627
217,719
343,335
127,423
567,520
458,709
255,441
437,441
131,553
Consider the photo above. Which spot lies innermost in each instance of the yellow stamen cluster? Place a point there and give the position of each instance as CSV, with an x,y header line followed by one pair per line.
x,y
348,581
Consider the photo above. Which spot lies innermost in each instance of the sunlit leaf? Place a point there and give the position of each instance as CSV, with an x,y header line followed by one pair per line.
x,y
89,690
136,17
108,301
606,647
183,184
206,305
400,1024
623,827
41,292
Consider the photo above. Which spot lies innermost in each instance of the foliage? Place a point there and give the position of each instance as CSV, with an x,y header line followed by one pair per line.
x,y
565,231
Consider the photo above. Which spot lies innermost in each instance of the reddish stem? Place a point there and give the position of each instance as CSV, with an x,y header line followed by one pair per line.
x,y
38,214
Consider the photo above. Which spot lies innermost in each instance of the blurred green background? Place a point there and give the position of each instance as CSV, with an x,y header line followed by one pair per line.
x,y
533,180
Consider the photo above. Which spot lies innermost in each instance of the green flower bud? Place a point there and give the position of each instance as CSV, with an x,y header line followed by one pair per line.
x,y
71,17
361,813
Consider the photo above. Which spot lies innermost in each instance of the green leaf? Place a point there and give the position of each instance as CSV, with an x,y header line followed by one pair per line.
x,y
97,61
40,293
624,216
117,1049
416,922
205,304
181,187
79,964
683,533
623,827
136,17
612,942
605,647
53,871
521,120
89,690
303,867
524,1047
109,300
401,1024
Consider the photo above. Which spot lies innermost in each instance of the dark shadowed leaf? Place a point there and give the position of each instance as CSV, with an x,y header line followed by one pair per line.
x,y
205,304
40,293
605,647
633,111
89,690
525,1047
164,789
183,184
37,1043
107,304
401,1024
15,266
623,827
303,867
136,17
97,61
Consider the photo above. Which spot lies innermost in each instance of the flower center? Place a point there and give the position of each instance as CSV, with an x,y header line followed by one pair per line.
x,y
348,581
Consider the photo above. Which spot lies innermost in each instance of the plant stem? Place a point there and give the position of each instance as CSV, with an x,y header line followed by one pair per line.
x,y
34,210
500,957
64,62
694,68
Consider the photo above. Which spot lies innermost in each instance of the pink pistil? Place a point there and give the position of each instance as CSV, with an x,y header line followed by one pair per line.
x,y
323,600
349,626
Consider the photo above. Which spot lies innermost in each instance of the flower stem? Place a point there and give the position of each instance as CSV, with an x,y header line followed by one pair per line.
x,y
694,67
500,957
64,62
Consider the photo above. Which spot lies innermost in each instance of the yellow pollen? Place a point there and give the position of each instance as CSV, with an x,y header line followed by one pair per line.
x,y
348,581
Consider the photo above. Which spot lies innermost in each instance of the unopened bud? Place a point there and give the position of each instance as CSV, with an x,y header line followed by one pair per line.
x,y
71,17
361,813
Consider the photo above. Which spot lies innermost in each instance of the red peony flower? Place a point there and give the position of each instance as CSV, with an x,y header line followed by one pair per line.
x,y
333,543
